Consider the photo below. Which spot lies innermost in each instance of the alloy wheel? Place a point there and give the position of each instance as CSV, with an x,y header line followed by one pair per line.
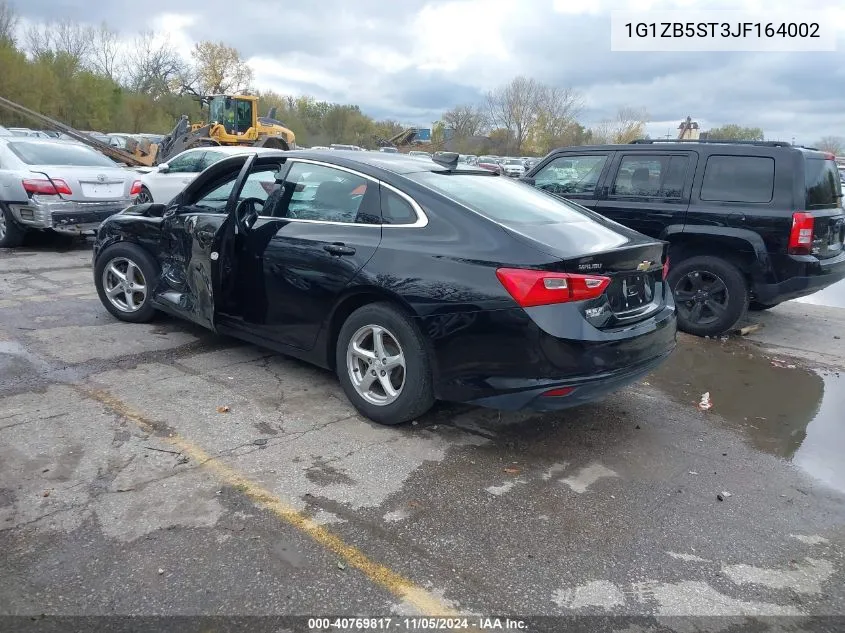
x,y
701,297
124,284
2,225
144,197
376,365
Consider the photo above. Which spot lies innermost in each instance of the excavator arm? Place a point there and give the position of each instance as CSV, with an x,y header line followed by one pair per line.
x,y
114,153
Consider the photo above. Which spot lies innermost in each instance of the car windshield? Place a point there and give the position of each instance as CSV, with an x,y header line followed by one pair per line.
x,y
502,199
513,161
46,153
824,188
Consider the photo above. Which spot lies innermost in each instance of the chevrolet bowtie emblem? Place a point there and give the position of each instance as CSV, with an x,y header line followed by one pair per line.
x,y
644,265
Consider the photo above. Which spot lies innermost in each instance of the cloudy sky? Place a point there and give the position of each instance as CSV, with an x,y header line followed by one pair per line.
x,y
412,59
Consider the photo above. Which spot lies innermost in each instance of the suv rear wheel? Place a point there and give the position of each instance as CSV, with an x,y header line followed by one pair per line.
x,y
711,295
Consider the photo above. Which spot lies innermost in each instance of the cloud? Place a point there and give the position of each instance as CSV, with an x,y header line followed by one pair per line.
x,y
411,60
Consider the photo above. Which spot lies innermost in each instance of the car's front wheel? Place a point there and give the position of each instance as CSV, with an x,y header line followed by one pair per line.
x,y
144,196
711,295
124,276
383,365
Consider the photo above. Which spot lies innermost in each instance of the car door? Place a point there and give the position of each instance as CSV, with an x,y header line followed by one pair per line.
x,y
648,191
574,176
178,173
194,235
320,225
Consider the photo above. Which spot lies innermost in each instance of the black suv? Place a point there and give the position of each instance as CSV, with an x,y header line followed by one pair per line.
x,y
750,224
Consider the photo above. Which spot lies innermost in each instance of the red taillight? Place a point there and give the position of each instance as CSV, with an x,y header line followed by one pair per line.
x,y
801,236
136,188
538,287
557,393
666,268
46,187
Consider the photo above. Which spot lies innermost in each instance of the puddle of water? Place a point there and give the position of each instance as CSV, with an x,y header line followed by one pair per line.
x,y
795,414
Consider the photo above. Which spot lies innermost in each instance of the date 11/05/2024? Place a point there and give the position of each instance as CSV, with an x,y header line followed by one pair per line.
x,y
416,624
723,29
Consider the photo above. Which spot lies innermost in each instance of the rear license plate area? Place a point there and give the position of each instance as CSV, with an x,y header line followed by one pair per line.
x,y
630,292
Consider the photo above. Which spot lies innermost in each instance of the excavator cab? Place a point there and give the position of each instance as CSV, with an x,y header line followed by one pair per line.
x,y
234,114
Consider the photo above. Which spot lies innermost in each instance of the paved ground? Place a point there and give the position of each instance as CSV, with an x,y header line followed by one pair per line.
x,y
124,490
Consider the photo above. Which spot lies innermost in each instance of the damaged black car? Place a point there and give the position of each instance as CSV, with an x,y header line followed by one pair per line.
x,y
412,280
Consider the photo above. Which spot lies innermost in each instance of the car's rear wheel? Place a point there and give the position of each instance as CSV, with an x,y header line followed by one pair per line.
x,y
383,366
124,277
11,234
711,295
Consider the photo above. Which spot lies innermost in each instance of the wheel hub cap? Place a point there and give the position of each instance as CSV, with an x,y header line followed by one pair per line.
x,y
376,365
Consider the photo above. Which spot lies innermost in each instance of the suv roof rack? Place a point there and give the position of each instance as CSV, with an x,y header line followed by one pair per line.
x,y
645,141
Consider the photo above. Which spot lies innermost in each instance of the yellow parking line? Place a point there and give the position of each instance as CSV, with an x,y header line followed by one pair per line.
x,y
401,587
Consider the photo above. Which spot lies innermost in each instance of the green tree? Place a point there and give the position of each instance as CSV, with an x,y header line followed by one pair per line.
x,y
219,69
734,132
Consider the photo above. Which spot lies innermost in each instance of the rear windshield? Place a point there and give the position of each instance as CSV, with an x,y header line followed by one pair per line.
x,y
822,181
502,199
59,154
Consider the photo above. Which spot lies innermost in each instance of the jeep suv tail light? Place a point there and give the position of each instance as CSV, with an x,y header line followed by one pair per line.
x,y
801,235
539,287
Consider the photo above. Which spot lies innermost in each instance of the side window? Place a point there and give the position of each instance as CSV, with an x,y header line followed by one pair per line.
x,y
395,210
571,174
738,179
209,158
259,185
650,177
317,192
187,163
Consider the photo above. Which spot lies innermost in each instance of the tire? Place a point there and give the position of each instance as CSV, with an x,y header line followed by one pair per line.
x,y
11,233
416,393
144,196
710,273
756,306
120,254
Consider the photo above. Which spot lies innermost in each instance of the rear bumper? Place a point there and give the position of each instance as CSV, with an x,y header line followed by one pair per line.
x,y
810,275
584,390
65,215
508,358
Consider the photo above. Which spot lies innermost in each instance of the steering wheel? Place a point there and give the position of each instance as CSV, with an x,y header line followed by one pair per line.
x,y
246,213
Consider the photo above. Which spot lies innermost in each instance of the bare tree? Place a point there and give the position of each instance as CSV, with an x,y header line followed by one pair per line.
x,y
8,23
219,69
105,51
64,37
628,125
558,110
465,121
153,66
515,107
833,144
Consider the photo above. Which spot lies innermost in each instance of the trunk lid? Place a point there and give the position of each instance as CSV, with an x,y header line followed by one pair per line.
x,y
633,262
91,184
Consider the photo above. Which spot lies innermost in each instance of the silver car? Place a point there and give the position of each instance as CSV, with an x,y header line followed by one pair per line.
x,y
53,184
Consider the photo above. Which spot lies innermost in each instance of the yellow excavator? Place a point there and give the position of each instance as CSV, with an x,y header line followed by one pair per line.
x,y
232,120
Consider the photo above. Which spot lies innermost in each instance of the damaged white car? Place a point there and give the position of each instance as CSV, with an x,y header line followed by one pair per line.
x,y
59,185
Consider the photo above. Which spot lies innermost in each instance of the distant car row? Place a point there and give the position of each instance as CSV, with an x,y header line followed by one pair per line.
x,y
115,139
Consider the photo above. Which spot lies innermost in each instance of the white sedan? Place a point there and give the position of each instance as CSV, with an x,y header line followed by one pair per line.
x,y
165,181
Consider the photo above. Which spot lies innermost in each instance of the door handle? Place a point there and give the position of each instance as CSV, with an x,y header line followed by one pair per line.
x,y
339,249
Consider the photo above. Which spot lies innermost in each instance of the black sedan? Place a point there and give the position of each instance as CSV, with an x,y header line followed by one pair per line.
x,y
413,280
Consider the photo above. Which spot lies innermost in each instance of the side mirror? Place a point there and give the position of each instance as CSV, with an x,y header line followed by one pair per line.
x,y
163,168
528,181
